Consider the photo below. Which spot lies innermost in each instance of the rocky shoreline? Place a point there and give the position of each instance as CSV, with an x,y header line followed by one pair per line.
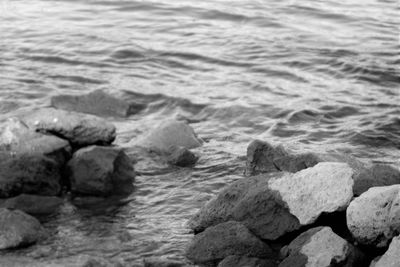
x,y
290,209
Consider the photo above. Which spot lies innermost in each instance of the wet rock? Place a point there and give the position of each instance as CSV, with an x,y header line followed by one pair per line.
x,y
101,171
33,204
243,261
182,157
263,157
78,128
168,134
98,103
321,247
220,241
18,229
271,205
374,217
391,257
30,174
17,138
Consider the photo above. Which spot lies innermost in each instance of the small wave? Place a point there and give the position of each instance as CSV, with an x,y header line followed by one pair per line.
x,y
56,59
76,79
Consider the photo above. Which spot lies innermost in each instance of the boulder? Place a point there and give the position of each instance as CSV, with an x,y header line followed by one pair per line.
x,y
391,257
182,157
321,247
168,134
244,261
271,205
78,128
18,229
263,157
31,174
33,204
98,103
100,171
374,217
229,238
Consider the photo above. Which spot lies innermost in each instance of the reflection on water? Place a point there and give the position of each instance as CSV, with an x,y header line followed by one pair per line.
x,y
319,74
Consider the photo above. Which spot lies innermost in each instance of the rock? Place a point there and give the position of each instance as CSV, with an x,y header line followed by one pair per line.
x,y
168,134
321,247
31,174
158,262
33,204
98,103
78,128
271,205
229,238
18,229
182,157
374,217
17,138
263,157
101,171
391,257
243,261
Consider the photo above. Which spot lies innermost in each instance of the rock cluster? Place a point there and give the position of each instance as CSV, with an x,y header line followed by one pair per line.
x,y
285,202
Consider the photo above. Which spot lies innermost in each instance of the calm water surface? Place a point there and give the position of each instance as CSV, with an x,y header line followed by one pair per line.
x,y
321,75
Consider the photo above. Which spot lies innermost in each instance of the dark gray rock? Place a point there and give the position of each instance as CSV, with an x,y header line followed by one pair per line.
x,y
78,128
225,239
18,229
182,157
243,261
101,171
97,103
30,174
321,247
33,204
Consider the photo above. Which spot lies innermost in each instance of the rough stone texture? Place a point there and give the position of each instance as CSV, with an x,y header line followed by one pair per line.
x,y
17,138
168,134
327,187
321,247
31,174
78,128
101,171
263,157
251,202
33,204
181,156
374,217
391,257
97,102
243,261
18,229
159,262
229,238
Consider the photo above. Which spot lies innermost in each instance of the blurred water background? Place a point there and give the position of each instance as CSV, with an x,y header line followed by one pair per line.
x,y
322,75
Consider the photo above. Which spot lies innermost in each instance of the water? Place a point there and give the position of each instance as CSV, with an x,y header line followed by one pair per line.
x,y
322,75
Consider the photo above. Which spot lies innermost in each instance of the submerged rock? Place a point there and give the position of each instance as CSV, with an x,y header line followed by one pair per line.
x,y
391,257
31,174
374,217
168,134
182,157
263,157
321,247
101,171
78,128
222,240
97,103
18,229
33,204
271,205
244,261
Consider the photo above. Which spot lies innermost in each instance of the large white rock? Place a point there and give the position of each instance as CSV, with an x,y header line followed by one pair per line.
x,y
374,217
169,134
391,257
326,187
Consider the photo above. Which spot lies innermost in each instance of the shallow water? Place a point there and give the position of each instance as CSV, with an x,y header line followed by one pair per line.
x,y
321,75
